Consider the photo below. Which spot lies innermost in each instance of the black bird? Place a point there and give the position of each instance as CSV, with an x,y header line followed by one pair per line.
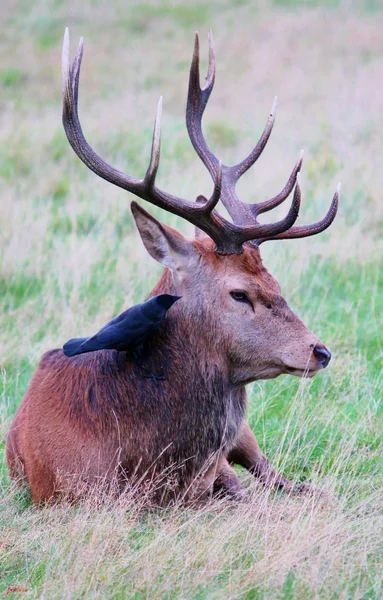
x,y
129,330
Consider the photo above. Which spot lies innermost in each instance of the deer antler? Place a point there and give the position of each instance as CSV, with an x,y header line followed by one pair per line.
x,y
241,212
229,237
200,215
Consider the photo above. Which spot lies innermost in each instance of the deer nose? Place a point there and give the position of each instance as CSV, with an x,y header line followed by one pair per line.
x,y
322,355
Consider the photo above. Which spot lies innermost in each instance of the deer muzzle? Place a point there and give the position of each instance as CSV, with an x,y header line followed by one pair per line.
x,y
322,355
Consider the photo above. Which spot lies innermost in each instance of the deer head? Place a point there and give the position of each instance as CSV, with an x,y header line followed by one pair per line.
x,y
234,302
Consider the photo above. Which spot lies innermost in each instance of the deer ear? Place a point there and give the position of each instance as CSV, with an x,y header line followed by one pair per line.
x,y
163,243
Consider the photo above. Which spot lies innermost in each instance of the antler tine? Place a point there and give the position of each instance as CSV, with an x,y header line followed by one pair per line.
x,y
239,169
238,235
201,215
308,230
71,76
151,173
262,207
65,66
241,213
210,77
272,229
210,204
245,215
75,76
196,104
216,195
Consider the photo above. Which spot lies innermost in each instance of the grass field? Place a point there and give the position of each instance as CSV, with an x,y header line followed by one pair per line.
x,y
70,259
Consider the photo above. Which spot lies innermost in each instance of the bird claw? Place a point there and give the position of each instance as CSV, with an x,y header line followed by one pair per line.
x,y
155,377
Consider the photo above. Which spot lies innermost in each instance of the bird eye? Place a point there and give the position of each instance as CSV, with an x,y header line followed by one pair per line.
x,y
269,306
240,296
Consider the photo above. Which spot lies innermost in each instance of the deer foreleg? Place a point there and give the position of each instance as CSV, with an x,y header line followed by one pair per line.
x,y
248,454
220,479
228,484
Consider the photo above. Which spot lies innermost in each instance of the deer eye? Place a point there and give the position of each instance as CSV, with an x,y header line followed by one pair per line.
x,y
240,296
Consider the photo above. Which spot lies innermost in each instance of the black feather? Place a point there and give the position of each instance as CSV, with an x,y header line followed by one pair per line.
x,y
128,330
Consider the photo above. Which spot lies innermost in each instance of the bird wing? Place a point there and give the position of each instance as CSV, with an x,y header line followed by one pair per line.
x,y
123,334
128,330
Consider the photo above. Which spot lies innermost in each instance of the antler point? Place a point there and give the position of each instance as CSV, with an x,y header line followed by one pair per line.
x,y
274,107
196,47
159,114
66,39
65,68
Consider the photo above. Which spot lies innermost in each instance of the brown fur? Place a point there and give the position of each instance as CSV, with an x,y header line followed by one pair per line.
x,y
94,417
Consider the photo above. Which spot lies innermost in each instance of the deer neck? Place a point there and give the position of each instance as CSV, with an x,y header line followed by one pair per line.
x,y
207,410
189,335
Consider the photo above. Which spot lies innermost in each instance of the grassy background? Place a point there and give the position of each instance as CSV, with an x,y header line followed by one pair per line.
x,y
70,259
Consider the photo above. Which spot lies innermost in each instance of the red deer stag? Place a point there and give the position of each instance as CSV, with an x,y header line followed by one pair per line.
x,y
93,416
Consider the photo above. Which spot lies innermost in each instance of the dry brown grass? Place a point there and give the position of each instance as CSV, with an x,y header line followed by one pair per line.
x,y
222,550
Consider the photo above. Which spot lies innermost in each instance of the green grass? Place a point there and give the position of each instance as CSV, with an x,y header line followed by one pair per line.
x,y
10,78
70,258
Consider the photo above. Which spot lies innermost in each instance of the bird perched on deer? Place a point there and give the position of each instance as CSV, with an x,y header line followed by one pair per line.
x,y
127,331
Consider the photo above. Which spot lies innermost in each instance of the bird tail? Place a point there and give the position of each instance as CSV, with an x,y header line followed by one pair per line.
x,y
73,347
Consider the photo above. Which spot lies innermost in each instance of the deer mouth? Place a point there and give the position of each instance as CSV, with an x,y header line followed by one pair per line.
x,y
304,373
